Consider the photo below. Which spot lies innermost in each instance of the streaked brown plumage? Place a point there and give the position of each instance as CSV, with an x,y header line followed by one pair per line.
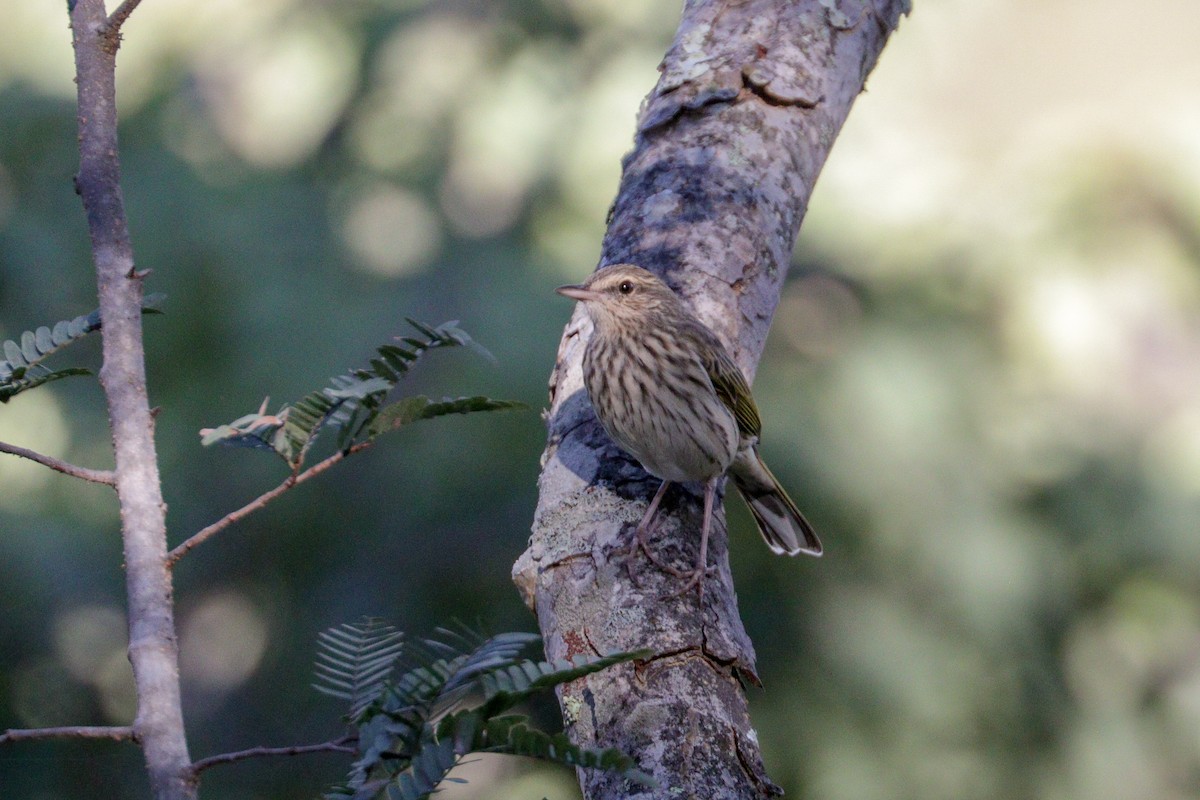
x,y
668,393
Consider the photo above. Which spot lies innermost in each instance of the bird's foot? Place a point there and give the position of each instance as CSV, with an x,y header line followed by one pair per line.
x,y
643,544
695,581
641,541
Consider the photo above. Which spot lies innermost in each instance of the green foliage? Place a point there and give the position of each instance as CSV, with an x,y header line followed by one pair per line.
x,y
355,404
355,659
21,368
450,699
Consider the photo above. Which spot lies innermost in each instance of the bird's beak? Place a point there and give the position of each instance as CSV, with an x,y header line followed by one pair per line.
x,y
577,292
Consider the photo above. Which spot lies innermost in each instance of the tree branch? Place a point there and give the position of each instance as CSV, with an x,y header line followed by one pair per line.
x,y
336,746
153,648
203,535
728,148
106,477
118,17
117,734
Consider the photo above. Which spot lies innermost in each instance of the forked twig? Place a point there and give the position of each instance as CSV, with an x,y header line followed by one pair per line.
x,y
118,17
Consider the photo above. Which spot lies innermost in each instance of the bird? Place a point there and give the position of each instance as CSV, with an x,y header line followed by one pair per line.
x,y
667,392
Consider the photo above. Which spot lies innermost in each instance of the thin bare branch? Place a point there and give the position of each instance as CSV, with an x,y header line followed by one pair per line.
x,y
117,734
341,745
104,476
200,537
118,17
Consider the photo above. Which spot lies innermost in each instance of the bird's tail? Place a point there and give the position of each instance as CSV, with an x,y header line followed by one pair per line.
x,y
781,524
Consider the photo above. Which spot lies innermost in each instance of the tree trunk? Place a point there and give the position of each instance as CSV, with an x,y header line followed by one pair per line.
x,y
728,147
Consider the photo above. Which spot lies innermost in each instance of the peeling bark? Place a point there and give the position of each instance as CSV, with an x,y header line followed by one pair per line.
x,y
728,147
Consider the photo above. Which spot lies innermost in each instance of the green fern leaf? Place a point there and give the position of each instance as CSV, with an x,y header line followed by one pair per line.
x,y
441,669
352,403
21,368
29,347
301,424
448,701
354,661
512,683
36,346
519,739
23,379
430,333
433,680
412,409
13,356
449,332
470,731
44,339
381,368
495,652
426,770
397,358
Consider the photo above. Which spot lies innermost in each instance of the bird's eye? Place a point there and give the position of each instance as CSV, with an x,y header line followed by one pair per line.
x,y
625,287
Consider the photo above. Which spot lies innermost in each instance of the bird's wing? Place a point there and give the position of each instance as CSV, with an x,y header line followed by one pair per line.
x,y
729,382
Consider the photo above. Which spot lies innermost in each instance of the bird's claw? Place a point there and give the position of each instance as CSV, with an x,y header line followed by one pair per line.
x,y
695,580
695,577
641,542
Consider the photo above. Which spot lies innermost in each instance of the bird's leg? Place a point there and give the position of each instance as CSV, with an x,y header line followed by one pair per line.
x,y
643,530
697,579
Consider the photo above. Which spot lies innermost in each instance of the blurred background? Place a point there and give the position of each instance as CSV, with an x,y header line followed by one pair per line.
x,y
981,384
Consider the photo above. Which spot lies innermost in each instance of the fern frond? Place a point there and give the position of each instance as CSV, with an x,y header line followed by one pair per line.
x,y
375,745
449,700
23,379
354,660
21,368
511,684
449,334
514,736
423,774
525,741
353,404
476,653
37,345
301,424
412,409
440,672
457,658
470,731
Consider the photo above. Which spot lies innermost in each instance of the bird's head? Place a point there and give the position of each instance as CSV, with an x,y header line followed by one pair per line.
x,y
623,293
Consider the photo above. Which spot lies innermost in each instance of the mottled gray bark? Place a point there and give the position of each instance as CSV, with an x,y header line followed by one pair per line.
x,y
728,147
153,652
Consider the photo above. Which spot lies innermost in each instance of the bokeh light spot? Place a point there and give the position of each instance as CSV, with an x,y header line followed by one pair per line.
x,y
819,315
275,100
222,642
391,230
37,424
87,637
1171,453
